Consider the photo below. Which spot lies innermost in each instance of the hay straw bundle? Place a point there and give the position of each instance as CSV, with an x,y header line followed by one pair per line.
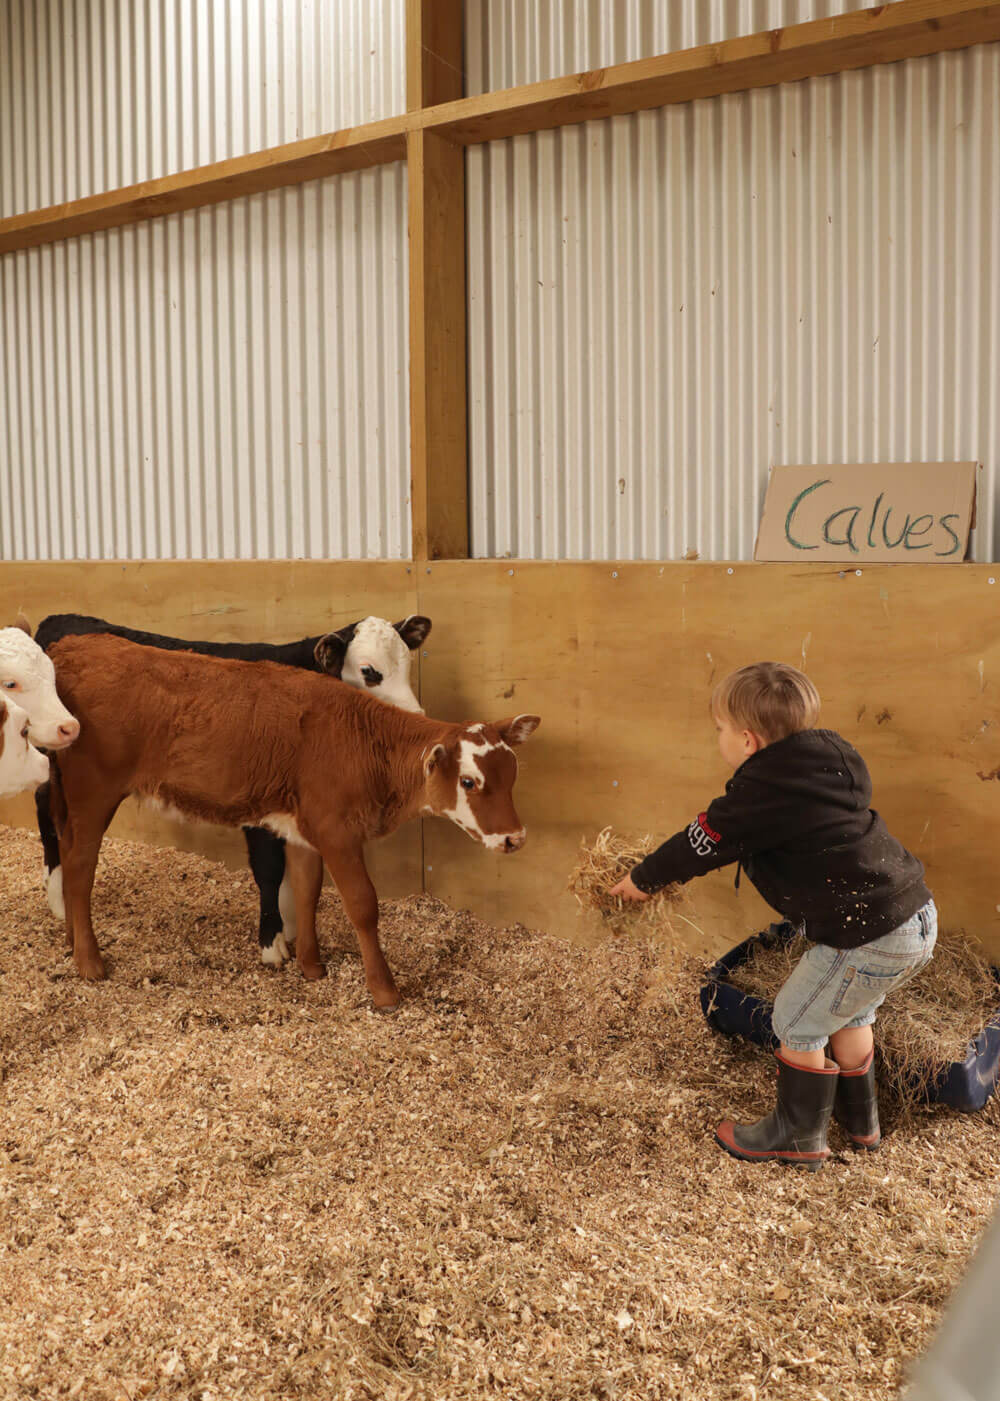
x,y
602,864
921,1027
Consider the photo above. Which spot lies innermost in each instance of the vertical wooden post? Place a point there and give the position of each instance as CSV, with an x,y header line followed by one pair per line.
x,y
435,61
436,191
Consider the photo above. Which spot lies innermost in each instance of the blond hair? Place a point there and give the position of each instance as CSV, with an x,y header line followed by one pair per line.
x,y
769,698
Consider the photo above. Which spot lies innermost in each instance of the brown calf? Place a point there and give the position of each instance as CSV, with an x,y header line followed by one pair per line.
x,y
238,743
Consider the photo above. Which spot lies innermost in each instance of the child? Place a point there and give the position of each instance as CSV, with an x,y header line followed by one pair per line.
x,y
796,817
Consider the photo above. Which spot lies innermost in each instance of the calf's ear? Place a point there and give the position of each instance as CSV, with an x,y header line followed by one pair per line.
x,y
434,758
331,651
519,729
413,630
21,622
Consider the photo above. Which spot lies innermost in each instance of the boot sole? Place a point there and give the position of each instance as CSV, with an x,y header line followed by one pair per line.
x,y
860,1145
811,1161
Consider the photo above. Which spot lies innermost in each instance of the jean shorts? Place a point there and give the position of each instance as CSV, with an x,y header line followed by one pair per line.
x,y
830,989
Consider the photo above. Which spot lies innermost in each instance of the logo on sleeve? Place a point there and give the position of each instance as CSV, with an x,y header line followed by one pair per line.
x,y
703,840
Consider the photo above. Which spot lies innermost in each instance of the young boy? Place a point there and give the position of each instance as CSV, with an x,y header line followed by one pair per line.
x,y
796,816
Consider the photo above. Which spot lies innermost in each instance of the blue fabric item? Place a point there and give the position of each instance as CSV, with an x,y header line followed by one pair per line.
x,y
965,1085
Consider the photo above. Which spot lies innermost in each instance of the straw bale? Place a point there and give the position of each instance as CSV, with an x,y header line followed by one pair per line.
x,y
218,1181
922,1027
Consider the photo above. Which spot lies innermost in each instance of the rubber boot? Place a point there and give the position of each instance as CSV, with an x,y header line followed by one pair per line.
x,y
795,1129
856,1105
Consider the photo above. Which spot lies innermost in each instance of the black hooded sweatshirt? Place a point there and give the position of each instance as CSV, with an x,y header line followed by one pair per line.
x,y
796,815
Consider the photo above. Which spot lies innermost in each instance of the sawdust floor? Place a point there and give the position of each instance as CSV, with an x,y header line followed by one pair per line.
x,y
217,1181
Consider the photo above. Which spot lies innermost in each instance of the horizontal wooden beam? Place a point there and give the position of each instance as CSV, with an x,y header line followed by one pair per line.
x,y
860,39
355,148
818,48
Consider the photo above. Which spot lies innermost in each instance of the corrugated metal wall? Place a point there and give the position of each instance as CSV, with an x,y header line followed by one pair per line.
x,y
661,306
96,94
664,305
509,42
226,383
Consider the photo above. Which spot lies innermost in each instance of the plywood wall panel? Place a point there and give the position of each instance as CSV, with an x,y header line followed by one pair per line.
x,y
620,660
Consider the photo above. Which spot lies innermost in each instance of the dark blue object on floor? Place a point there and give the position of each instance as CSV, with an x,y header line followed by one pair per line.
x,y
965,1085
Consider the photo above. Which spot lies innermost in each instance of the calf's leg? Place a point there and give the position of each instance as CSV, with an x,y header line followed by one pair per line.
x,y
50,850
267,863
305,871
79,847
347,867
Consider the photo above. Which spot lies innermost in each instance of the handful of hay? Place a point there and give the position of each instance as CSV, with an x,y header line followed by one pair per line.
x,y
602,865
921,1028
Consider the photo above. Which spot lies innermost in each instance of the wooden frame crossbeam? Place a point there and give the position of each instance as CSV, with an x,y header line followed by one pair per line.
x,y
862,38
355,148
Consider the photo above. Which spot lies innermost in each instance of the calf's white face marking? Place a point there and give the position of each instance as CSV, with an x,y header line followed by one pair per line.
x,y
471,782
21,765
378,661
28,678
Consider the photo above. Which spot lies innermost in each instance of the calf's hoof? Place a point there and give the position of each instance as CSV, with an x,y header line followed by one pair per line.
x,y
276,952
90,968
385,999
312,971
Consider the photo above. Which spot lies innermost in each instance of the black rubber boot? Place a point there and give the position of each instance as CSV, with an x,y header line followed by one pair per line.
x,y
856,1105
795,1129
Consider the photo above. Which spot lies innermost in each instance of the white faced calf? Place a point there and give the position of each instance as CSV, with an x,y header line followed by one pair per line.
x,y
28,678
21,765
377,658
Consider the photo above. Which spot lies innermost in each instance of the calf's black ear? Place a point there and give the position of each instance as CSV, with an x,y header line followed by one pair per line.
x,y
413,630
331,651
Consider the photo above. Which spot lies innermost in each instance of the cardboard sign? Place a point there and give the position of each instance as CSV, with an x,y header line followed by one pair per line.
x,y
890,511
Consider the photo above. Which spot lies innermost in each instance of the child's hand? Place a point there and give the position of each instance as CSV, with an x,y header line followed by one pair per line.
x,y
628,891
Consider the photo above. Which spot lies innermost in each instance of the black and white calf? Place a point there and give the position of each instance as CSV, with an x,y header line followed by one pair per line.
x,y
372,655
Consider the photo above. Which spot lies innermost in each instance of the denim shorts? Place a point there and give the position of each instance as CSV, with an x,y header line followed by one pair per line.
x,y
830,989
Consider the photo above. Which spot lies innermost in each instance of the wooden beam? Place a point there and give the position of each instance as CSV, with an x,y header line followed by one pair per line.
x,y
860,39
435,61
438,456
376,143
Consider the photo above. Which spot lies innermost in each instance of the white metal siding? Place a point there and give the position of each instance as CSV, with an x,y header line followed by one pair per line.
x,y
663,305
96,94
509,42
225,383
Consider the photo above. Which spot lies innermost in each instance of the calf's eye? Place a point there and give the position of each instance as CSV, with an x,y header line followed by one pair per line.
x,y
11,686
24,733
468,784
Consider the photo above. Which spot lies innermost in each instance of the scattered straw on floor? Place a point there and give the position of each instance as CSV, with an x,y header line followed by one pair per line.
x,y
602,865
221,1182
922,1027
